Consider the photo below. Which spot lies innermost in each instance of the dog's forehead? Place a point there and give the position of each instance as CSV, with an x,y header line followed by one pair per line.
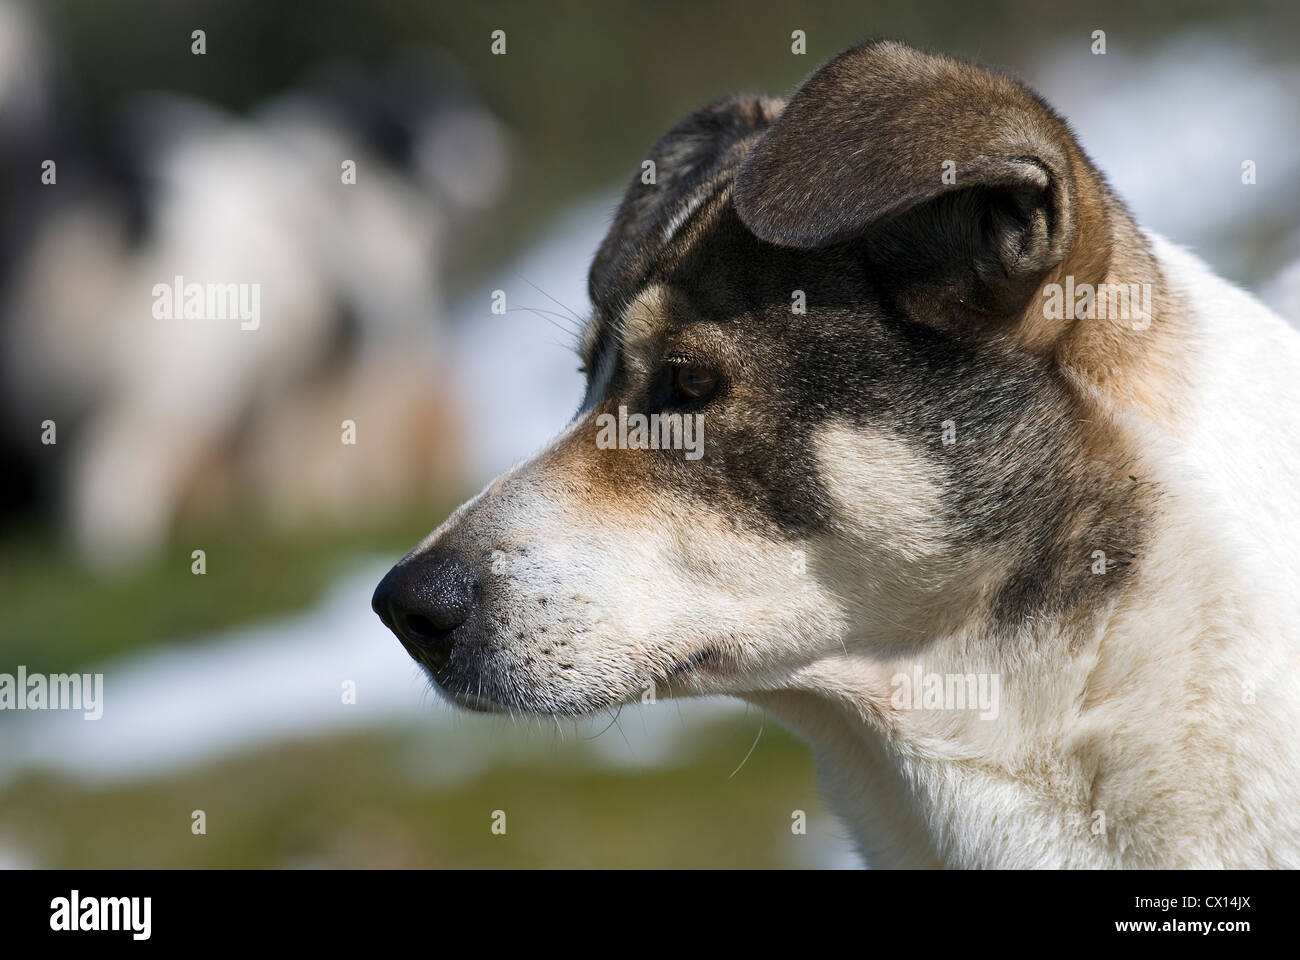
x,y
641,318
628,334
684,176
645,318
698,257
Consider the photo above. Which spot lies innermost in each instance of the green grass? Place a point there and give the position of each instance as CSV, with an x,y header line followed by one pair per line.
x,y
366,801
60,616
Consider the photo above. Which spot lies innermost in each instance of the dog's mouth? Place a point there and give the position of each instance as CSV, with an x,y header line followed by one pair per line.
x,y
704,662
709,657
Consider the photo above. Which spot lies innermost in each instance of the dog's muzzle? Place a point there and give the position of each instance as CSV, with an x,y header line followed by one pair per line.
x,y
428,601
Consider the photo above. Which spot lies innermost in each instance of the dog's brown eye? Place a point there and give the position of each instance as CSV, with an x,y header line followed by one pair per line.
x,y
693,382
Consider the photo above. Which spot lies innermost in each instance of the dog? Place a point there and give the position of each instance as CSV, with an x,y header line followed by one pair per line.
x,y
968,430
326,212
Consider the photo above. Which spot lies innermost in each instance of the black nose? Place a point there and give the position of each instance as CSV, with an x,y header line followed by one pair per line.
x,y
423,600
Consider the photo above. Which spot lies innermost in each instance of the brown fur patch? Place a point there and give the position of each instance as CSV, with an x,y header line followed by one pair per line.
x,y
860,151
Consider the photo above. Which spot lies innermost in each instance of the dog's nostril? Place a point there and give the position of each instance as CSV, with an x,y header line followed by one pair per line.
x,y
420,632
423,631
424,601
423,628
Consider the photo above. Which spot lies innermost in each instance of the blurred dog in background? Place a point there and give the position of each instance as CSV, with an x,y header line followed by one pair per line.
x,y
158,418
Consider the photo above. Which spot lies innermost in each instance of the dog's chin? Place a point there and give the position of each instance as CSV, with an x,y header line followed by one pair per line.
x,y
475,704
525,703
691,676
486,693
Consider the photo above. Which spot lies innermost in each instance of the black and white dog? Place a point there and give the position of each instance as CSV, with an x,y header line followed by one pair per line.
x,y
318,225
898,425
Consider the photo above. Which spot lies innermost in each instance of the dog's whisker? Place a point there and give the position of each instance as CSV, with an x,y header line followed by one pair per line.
x,y
619,727
571,311
568,332
612,720
752,746
560,317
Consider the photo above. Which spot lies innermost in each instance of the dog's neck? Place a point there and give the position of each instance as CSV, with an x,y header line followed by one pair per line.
x,y
1075,768
923,781
1107,713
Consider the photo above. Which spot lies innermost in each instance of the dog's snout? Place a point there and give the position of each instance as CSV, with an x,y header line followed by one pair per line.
x,y
423,600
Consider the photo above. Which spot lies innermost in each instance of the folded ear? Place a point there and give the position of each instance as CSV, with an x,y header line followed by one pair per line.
x,y
682,165
963,184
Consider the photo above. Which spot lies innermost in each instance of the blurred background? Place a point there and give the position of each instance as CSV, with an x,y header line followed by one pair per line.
x,y
264,691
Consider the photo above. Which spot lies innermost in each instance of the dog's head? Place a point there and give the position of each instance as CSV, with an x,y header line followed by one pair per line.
x,y
825,416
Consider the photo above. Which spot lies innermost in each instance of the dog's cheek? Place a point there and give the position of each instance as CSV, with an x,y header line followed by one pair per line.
x,y
883,493
593,606
889,555
576,617
577,586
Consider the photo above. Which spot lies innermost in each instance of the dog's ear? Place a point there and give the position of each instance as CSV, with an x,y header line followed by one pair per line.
x,y
678,167
961,182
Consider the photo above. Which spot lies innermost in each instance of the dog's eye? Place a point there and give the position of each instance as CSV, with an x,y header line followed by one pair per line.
x,y
692,382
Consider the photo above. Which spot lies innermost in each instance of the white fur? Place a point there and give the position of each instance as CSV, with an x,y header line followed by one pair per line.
x,y
1174,716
